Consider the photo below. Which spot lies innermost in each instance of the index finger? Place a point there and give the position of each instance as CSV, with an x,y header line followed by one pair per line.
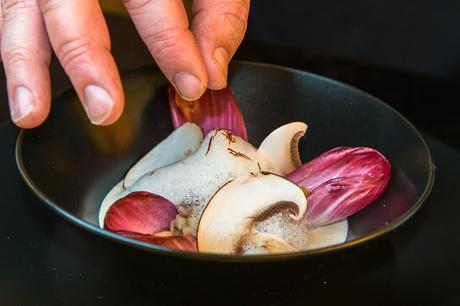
x,y
80,39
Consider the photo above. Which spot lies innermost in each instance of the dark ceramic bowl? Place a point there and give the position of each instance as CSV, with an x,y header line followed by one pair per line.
x,y
71,164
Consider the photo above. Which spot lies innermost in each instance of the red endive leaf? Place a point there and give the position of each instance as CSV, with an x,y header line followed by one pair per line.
x,y
342,181
184,243
140,212
339,198
216,109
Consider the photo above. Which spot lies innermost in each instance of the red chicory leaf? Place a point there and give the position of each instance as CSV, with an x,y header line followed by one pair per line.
x,y
184,243
342,181
140,212
216,109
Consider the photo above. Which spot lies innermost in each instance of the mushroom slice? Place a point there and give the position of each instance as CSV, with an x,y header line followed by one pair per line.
x,y
179,144
229,216
282,146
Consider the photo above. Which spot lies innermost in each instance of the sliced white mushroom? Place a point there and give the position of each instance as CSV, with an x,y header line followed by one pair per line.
x,y
180,143
193,180
229,216
282,146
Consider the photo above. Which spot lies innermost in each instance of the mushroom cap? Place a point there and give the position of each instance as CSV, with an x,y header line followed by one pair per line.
x,y
231,212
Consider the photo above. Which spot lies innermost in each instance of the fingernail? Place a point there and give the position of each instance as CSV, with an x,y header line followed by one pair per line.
x,y
221,59
98,104
188,86
23,103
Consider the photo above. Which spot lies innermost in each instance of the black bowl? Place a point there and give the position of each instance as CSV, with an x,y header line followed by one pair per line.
x,y
71,164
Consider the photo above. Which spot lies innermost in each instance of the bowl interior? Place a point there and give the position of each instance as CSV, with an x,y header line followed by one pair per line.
x,y
71,164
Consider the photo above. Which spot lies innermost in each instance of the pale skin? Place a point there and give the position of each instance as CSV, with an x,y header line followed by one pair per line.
x,y
193,57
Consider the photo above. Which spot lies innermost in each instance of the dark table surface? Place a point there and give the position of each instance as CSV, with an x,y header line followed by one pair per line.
x,y
45,260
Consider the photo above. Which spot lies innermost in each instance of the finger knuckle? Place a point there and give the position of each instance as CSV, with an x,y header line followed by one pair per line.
x,y
9,6
15,56
164,41
48,6
136,5
232,15
74,52
236,15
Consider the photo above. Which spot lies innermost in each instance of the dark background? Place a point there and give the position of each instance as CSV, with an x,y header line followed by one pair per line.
x,y
421,36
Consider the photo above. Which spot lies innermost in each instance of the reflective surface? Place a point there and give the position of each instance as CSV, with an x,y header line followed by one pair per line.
x,y
71,164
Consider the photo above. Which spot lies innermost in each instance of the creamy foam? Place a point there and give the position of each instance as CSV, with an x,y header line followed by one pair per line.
x,y
195,179
298,234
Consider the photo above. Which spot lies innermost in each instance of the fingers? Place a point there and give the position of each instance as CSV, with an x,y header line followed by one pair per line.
x,y
219,27
1,23
164,28
80,39
26,54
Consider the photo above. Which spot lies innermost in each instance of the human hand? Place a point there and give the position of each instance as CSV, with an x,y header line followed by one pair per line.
x,y
75,30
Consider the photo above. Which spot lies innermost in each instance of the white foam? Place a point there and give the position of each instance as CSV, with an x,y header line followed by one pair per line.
x,y
252,249
298,234
194,180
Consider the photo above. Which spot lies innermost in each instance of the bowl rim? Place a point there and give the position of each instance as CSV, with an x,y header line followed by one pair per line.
x,y
160,250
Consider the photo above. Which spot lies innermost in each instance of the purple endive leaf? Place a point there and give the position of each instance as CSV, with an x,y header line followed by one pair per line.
x,y
184,243
340,162
339,198
140,212
216,109
342,181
